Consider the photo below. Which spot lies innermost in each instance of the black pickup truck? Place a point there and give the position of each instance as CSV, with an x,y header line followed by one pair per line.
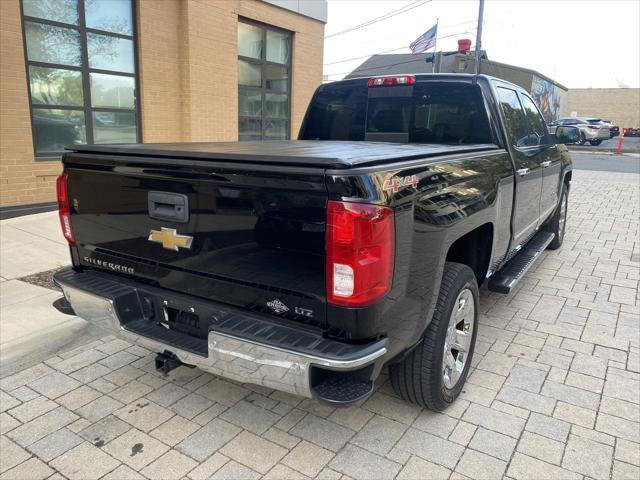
x,y
309,265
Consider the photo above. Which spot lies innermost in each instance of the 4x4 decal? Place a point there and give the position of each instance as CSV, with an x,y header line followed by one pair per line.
x,y
396,183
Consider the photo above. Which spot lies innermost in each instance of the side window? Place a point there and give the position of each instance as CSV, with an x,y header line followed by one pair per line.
x,y
515,120
538,130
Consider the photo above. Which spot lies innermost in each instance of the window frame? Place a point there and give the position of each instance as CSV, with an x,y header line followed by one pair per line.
x,y
85,71
544,140
504,116
263,90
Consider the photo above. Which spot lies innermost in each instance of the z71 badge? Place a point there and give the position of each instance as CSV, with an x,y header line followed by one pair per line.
x,y
396,183
277,306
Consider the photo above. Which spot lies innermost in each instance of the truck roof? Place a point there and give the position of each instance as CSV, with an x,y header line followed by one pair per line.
x,y
309,153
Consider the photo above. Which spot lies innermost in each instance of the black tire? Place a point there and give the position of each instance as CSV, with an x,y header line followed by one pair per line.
x,y
418,377
555,225
595,143
582,140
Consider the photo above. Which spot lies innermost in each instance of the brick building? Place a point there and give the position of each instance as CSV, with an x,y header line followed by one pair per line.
x,y
620,105
113,71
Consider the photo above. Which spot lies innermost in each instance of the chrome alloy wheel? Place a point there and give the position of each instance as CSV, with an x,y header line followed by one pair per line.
x,y
458,340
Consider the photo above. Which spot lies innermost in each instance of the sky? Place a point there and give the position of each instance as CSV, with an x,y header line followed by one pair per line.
x,y
578,43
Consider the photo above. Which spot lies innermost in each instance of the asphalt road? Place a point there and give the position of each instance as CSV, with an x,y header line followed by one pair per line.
x,y
606,163
629,145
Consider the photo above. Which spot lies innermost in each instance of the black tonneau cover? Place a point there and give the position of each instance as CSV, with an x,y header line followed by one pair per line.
x,y
310,153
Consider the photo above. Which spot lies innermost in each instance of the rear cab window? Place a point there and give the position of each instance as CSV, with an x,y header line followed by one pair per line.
x,y
427,112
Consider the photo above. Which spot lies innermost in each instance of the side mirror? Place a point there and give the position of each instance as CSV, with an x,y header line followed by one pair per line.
x,y
566,134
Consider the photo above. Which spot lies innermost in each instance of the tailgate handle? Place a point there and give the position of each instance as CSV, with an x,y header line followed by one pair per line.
x,y
169,206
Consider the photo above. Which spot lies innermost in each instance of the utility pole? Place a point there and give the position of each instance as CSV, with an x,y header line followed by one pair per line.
x,y
479,36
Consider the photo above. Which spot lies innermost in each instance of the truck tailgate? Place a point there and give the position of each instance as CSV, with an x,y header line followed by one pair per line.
x,y
248,236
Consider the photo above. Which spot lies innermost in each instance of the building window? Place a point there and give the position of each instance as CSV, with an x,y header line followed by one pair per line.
x,y
81,68
264,82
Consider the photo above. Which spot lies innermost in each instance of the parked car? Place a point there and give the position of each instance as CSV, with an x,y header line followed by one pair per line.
x,y
614,130
631,132
53,133
592,130
307,266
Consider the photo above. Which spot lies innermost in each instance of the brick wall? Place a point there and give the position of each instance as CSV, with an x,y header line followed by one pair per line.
x,y
189,72
621,105
187,54
22,180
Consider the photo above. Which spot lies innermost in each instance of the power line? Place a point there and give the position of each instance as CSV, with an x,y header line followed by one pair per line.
x,y
399,48
385,51
377,67
386,16
457,24
366,56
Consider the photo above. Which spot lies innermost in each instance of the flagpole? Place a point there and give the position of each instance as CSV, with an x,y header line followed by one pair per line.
x,y
435,47
479,36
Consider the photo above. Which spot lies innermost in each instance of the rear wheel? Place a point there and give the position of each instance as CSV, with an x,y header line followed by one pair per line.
x,y
433,374
595,142
558,223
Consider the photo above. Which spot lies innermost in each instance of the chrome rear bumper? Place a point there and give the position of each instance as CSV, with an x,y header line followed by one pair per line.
x,y
227,355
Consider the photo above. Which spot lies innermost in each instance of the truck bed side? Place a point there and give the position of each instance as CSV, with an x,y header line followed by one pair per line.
x,y
456,197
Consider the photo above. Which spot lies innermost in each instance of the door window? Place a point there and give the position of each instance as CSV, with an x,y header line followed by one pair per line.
x,y
514,118
538,130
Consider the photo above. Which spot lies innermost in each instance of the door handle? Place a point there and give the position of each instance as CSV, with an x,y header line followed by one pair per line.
x,y
522,171
546,164
168,206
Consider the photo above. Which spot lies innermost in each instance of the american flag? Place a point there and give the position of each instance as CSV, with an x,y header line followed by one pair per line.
x,y
425,41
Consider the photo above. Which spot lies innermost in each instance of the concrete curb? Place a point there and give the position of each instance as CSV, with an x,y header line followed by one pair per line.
x,y
46,341
604,152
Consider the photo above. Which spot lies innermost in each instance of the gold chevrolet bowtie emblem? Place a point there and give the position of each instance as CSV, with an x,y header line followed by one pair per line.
x,y
171,239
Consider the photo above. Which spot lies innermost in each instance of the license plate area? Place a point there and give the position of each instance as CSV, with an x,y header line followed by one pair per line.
x,y
182,321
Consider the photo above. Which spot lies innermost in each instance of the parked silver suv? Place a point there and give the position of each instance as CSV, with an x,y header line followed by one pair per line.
x,y
592,130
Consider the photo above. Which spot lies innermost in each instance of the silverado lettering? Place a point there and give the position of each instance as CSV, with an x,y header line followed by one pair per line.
x,y
310,265
109,265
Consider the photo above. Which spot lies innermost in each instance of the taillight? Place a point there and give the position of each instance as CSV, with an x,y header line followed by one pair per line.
x,y
360,243
593,127
64,210
389,81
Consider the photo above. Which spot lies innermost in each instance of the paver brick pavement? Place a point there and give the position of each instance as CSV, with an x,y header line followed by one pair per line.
x,y
554,391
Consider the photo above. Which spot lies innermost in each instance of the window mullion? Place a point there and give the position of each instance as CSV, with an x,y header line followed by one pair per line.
x,y
263,97
263,72
86,86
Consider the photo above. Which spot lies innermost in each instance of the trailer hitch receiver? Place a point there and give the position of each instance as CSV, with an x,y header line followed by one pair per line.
x,y
167,361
